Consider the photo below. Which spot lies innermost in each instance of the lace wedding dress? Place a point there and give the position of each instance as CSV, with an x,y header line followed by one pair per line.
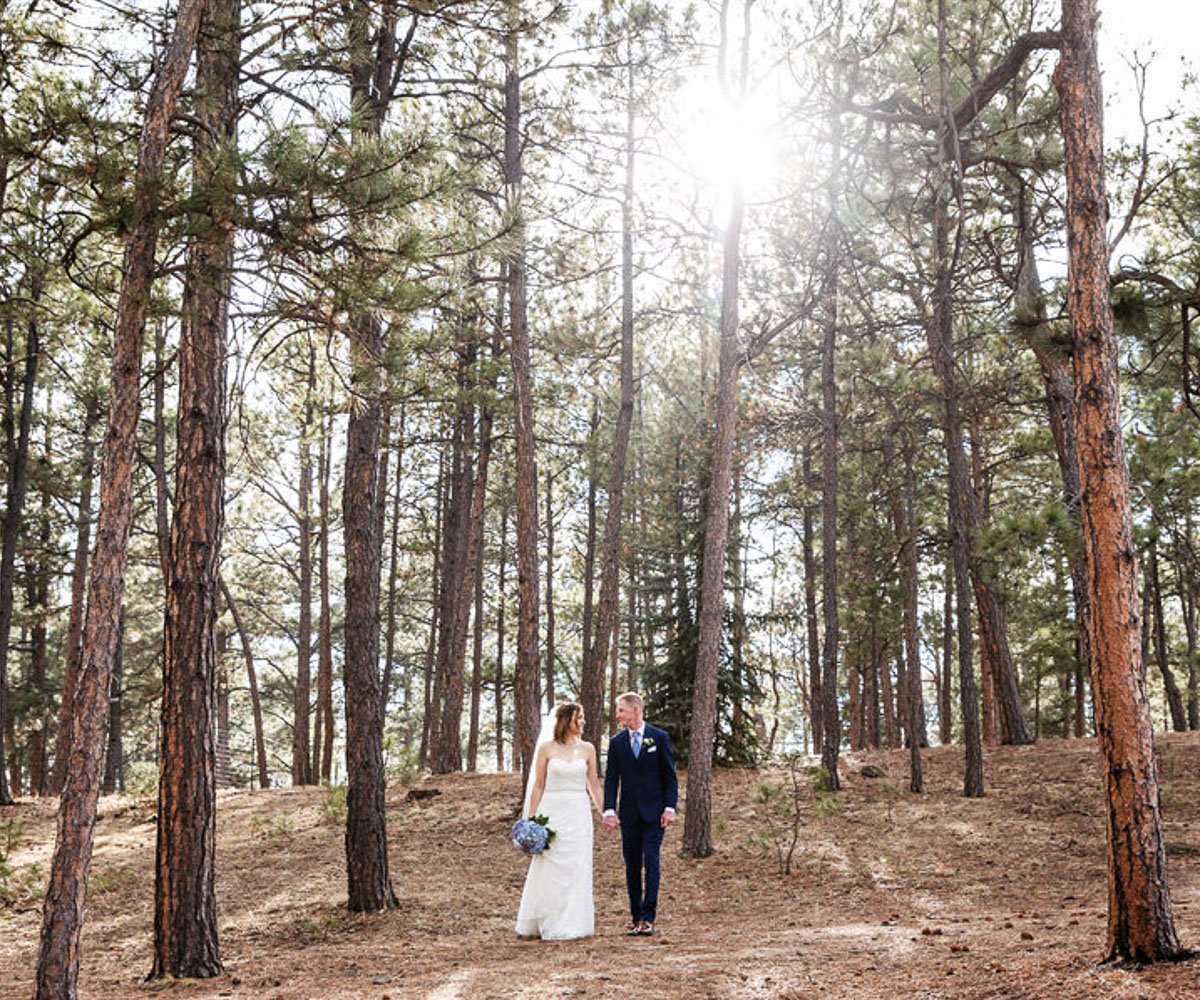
x,y
557,901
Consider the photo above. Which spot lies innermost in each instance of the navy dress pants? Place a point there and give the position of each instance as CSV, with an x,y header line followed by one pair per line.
x,y
641,843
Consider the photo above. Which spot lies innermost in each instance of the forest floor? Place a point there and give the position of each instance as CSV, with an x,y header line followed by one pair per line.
x,y
890,894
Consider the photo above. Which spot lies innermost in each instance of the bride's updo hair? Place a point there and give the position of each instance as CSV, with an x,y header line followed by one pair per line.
x,y
564,715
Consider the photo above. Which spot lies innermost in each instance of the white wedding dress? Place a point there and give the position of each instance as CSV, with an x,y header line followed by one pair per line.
x,y
557,902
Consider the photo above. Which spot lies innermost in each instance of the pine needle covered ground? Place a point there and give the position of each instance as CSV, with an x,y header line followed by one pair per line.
x,y
889,894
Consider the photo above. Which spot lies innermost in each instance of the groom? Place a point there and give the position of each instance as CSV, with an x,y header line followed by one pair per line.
x,y
641,766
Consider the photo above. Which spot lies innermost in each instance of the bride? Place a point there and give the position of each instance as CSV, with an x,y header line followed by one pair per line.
x,y
557,902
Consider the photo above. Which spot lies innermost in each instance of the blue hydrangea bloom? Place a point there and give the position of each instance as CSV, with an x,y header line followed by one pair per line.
x,y
530,836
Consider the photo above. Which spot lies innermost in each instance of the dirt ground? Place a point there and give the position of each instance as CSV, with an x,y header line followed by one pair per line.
x,y
890,894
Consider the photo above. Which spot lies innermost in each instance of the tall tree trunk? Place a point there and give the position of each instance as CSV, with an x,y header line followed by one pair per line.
x,y
223,777
302,769
470,566
831,737
941,347
815,696
1140,925
324,713
588,684
430,716
853,698
37,589
876,667
1054,360
1187,602
375,63
260,746
910,566
476,667
946,685
114,759
14,510
596,655
185,905
162,491
393,596
550,621
501,582
457,590
963,507
697,828
74,640
62,920
1159,632
525,684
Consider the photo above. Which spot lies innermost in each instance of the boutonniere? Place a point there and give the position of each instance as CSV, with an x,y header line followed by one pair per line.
x,y
648,742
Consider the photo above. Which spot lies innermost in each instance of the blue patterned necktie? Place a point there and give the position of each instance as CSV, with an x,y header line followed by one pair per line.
x,y
637,742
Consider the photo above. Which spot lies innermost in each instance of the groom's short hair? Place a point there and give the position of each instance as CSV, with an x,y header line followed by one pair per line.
x,y
632,698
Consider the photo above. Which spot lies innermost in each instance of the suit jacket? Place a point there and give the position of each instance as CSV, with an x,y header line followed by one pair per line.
x,y
647,783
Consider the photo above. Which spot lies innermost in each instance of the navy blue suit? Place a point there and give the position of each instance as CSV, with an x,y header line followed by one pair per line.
x,y
646,785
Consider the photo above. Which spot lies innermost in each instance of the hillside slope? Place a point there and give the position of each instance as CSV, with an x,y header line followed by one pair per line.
x,y
890,895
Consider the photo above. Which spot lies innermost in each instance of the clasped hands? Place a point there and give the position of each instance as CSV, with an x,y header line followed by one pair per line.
x,y
611,823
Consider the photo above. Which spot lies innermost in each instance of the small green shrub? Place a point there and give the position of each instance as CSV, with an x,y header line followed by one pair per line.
x,y
111,879
892,793
333,806
16,884
277,826
779,806
141,778
404,764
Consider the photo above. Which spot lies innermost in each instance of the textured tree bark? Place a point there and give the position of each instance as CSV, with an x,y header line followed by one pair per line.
x,y
369,884
1140,925
832,736
114,758
260,746
374,70
222,775
697,830
501,635
323,748
964,513
74,640
1153,585
550,620
14,510
476,667
445,747
941,347
162,491
393,593
470,568
596,655
914,701
62,917
1054,360
697,827
185,905
525,685
430,714
37,590
815,714
302,769
591,688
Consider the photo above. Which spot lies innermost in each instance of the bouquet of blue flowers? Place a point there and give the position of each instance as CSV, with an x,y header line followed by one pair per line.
x,y
532,835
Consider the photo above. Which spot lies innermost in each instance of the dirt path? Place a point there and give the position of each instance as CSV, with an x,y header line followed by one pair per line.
x,y
890,895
